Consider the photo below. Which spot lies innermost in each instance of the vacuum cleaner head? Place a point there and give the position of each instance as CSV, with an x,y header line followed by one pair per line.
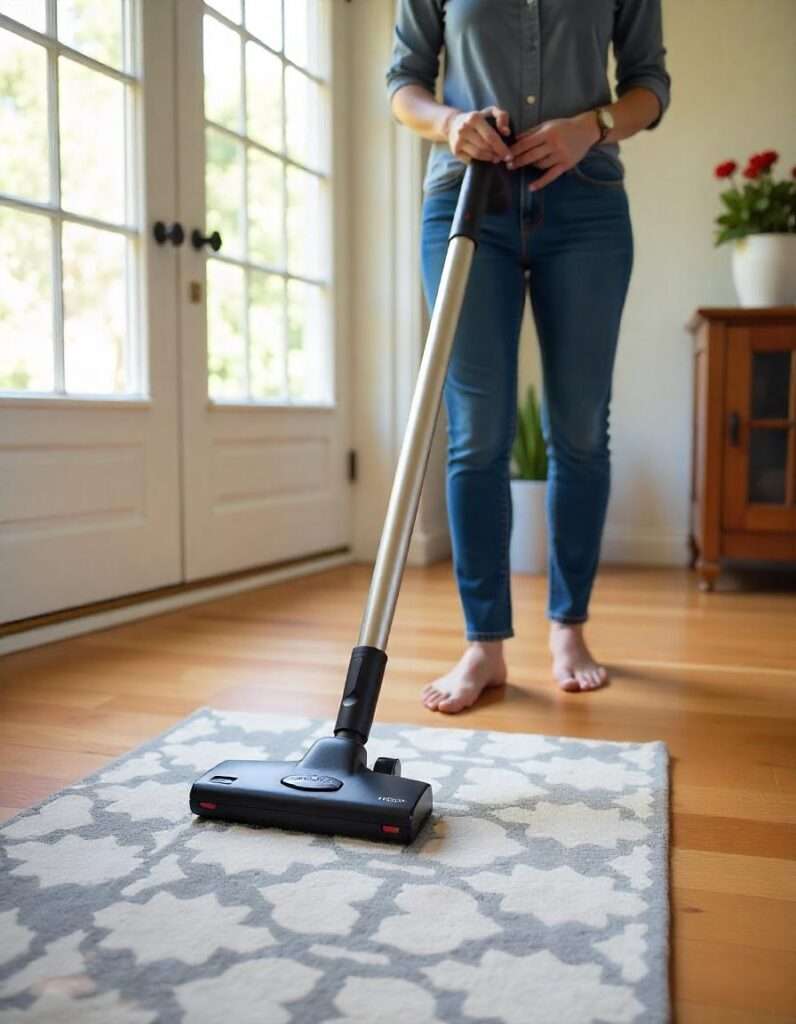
x,y
331,790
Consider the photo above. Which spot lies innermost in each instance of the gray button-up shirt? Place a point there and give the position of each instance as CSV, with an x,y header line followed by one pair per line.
x,y
537,59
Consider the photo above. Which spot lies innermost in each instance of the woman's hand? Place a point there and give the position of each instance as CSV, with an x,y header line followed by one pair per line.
x,y
555,146
471,138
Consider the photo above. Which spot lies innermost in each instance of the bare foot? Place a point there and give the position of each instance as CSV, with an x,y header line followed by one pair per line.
x,y
574,667
480,667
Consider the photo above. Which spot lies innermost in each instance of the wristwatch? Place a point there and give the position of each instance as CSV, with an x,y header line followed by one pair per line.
x,y
605,122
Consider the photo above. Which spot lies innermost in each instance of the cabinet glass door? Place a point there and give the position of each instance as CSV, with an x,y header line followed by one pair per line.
x,y
760,453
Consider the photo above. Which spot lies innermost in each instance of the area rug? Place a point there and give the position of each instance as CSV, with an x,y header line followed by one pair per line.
x,y
537,892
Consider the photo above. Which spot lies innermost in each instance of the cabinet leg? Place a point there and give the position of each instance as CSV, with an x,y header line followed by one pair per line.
x,y
693,551
708,573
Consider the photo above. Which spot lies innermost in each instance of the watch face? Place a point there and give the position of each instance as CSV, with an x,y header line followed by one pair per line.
x,y
607,119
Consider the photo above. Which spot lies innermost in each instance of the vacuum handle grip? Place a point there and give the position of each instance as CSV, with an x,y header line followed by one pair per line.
x,y
482,182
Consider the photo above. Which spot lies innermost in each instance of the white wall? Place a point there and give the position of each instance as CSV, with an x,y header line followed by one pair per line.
x,y
733,84
733,68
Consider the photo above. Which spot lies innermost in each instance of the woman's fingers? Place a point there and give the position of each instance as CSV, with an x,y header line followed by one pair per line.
x,y
502,119
532,155
555,172
490,138
476,151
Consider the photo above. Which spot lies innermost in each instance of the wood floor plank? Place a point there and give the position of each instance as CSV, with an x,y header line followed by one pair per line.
x,y
711,675
740,920
731,873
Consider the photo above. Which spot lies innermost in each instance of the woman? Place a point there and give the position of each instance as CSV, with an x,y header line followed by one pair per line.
x,y
540,64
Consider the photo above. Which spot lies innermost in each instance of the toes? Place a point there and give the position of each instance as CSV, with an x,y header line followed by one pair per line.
x,y
450,705
569,685
432,701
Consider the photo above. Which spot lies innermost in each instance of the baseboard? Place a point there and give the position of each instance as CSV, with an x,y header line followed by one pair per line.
x,y
631,545
89,623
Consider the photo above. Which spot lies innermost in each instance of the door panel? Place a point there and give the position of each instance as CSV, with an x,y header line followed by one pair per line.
x,y
264,421
760,429
89,499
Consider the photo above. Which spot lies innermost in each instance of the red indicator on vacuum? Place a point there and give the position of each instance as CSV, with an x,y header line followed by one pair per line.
x,y
208,807
391,830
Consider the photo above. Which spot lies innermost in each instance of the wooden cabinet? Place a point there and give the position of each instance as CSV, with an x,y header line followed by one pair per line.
x,y
743,500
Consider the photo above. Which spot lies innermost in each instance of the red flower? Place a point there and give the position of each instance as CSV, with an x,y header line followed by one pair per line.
x,y
726,169
761,162
767,159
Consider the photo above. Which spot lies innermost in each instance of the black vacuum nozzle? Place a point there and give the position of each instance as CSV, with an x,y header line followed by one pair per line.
x,y
330,790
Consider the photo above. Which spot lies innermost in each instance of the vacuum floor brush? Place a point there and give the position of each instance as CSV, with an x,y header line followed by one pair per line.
x,y
331,789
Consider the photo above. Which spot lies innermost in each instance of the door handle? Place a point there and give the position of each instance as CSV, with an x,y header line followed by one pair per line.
x,y
174,234
198,240
734,429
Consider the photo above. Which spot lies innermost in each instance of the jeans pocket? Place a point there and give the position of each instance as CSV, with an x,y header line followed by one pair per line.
x,y
600,169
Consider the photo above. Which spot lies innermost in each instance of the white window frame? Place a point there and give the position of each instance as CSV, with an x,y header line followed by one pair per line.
x,y
244,262
136,349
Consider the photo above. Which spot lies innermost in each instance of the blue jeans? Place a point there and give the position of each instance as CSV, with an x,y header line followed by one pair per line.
x,y
571,244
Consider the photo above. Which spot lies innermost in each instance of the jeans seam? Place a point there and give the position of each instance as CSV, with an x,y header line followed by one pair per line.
x,y
500,634
620,183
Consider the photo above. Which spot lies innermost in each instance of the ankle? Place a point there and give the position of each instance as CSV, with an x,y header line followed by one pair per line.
x,y
489,649
566,628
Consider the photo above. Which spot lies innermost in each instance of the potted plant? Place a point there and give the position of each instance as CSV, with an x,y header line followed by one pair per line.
x,y
528,553
759,218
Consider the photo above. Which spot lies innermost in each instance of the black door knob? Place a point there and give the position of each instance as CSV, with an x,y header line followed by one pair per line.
x,y
198,240
174,234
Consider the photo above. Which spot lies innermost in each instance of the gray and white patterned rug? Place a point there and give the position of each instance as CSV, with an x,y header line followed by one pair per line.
x,y
538,892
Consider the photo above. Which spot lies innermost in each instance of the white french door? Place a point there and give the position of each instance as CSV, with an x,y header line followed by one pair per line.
x,y
171,408
262,345
89,457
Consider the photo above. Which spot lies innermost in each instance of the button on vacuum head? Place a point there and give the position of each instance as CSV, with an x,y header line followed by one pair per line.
x,y
322,782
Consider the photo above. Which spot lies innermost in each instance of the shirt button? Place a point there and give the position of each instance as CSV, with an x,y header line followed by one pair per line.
x,y
530,100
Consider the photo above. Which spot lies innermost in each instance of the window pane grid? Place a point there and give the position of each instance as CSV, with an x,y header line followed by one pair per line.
x,y
249,37
260,378
130,358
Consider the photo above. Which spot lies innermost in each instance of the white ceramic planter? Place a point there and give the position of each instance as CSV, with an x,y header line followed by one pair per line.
x,y
764,269
528,552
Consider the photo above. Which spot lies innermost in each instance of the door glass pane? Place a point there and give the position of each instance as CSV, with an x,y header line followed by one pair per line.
x,y
222,74
224,186
95,310
23,118
264,96
92,142
29,12
770,385
229,8
304,223
226,340
267,335
26,343
94,27
265,209
768,454
307,363
304,103
264,20
298,25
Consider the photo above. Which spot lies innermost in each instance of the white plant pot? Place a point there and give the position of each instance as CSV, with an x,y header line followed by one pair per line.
x,y
528,552
764,269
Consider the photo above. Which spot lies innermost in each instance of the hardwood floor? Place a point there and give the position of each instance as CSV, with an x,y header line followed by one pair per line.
x,y
713,675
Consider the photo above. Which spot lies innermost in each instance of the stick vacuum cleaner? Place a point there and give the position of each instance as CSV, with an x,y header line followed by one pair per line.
x,y
331,789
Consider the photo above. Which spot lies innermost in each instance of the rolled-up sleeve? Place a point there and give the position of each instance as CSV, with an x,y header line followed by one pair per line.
x,y
419,32
639,50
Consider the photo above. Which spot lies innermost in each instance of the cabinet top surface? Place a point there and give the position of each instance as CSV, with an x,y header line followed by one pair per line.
x,y
740,315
